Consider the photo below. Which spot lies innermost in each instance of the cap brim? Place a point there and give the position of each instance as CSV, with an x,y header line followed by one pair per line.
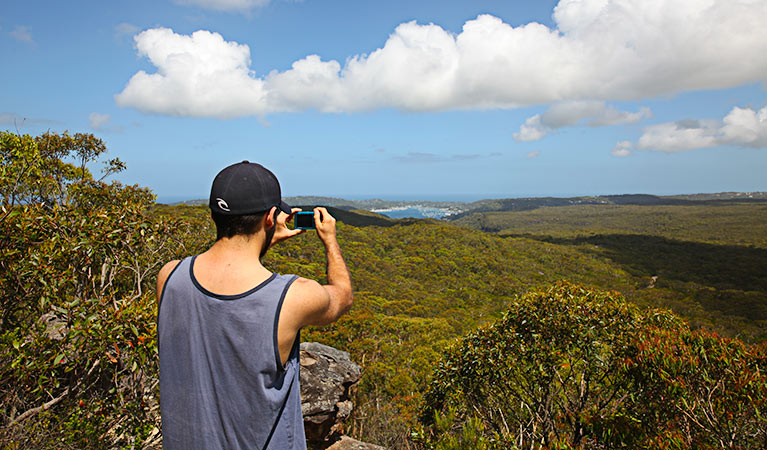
x,y
284,207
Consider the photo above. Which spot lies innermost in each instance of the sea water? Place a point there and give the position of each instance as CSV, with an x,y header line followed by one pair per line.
x,y
415,212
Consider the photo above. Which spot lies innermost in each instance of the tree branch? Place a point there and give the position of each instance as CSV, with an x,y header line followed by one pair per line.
x,y
31,412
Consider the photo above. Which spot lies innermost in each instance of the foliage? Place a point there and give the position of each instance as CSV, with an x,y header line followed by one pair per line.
x,y
698,390
417,287
39,170
725,222
703,260
78,260
570,367
78,365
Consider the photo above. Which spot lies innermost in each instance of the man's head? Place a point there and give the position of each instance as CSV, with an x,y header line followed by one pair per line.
x,y
240,197
246,225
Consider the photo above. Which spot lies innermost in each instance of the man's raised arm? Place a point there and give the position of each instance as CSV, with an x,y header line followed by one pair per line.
x,y
309,302
339,285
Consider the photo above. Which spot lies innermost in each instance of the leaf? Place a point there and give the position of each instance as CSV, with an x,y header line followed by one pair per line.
x,y
58,359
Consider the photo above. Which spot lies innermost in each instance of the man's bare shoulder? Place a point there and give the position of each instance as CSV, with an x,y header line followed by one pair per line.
x,y
162,277
307,289
305,284
307,301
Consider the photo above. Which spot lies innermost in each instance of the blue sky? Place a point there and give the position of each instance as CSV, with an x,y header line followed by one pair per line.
x,y
402,100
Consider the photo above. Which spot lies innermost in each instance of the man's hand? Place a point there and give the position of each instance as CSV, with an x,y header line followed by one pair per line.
x,y
281,231
325,224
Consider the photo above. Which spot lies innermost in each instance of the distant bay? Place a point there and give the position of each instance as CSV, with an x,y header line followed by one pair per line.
x,y
415,212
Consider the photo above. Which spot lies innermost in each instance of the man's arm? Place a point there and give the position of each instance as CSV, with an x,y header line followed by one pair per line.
x,y
309,303
339,287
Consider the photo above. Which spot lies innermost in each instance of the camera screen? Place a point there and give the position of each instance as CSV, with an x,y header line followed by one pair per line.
x,y
304,220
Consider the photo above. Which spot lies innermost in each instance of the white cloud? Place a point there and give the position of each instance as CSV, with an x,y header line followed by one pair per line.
x,y
532,130
98,121
601,50
743,127
199,75
225,5
572,113
622,148
533,154
22,34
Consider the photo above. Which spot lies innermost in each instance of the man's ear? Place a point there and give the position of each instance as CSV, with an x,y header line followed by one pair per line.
x,y
269,219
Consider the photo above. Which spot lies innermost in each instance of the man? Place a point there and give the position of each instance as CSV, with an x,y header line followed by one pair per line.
x,y
228,328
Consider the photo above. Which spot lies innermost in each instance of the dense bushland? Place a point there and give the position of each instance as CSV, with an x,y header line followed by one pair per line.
x,y
78,259
78,359
703,260
418,287
576,368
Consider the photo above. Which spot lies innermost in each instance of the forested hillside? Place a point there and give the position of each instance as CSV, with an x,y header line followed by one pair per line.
x,y
438,307
722,222
703,260
533,203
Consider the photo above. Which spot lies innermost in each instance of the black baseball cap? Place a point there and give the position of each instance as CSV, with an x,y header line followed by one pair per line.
x,y
245,188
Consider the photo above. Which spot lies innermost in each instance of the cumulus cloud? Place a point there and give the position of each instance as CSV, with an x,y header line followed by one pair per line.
x,y
532,130
22,34
622,148
600,50
225,5
572,113
199,75
742,127
533,154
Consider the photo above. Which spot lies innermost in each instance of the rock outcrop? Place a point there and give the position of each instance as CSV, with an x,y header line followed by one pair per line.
x,y
328,381
347,443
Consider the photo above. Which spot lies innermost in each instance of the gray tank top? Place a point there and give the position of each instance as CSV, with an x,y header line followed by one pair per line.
x,y
222,383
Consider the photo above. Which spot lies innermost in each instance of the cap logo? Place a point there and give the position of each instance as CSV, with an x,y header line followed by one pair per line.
x,y
222,204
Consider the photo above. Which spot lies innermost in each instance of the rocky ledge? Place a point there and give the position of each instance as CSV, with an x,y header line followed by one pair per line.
x,y
328,381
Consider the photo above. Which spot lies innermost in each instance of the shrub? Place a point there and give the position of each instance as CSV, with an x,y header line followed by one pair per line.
x,y
78,260
571,367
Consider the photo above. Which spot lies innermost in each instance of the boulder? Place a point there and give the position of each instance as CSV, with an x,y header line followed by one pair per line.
x,y
347,443
328,381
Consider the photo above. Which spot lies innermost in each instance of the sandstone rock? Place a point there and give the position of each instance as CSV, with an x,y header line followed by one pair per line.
x,y
328,380
347,443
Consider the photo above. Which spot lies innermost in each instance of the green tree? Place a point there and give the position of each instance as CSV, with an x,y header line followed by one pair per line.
x,y
571,367
78,259
699,390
